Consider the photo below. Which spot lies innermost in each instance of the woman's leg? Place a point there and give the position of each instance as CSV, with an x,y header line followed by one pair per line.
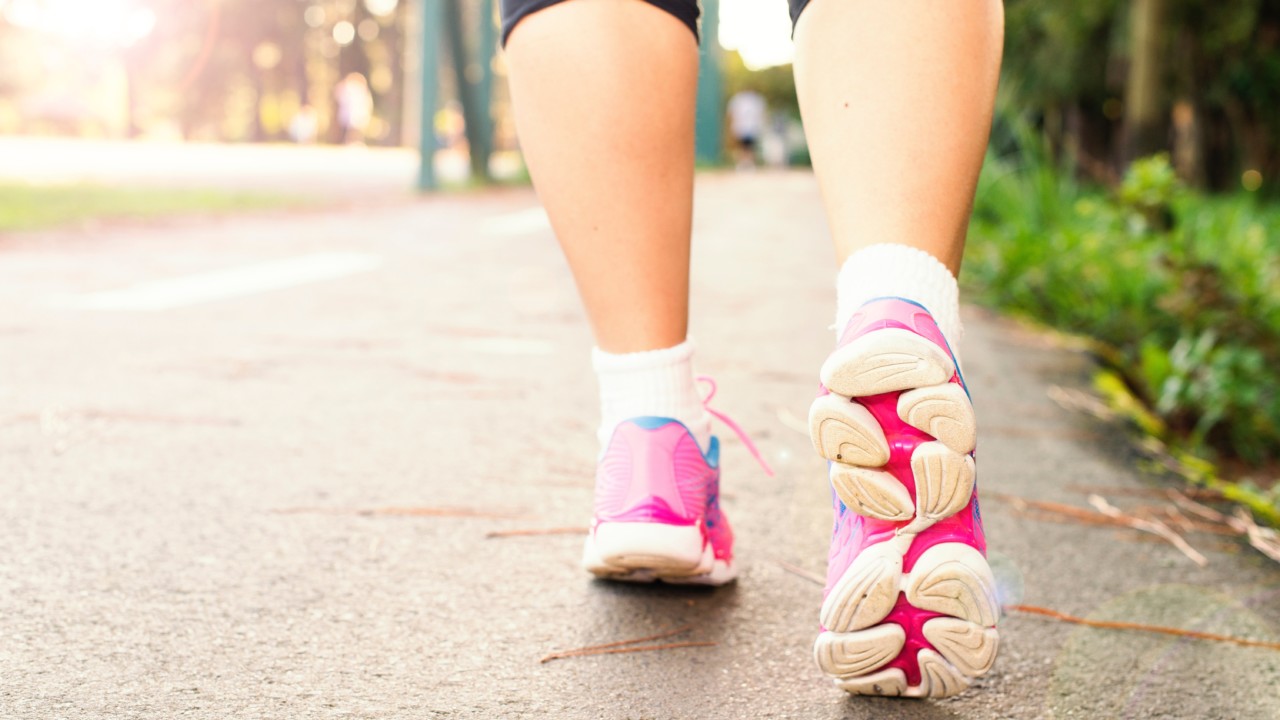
x,y
604,95
897,99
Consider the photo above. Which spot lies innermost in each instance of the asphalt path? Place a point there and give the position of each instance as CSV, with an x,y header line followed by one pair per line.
x,y
249,468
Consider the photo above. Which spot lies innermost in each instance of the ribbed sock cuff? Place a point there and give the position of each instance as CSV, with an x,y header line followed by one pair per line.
x,y
890,270
653,382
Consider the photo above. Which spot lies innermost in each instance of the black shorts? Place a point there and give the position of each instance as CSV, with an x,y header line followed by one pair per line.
x,y
686,11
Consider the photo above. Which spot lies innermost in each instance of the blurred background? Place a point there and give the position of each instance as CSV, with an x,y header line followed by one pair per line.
x,y
1130,195
217,71
1105,82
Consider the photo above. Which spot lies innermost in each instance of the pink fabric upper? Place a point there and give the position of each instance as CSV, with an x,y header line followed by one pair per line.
x,y
654,471
853,532
893,312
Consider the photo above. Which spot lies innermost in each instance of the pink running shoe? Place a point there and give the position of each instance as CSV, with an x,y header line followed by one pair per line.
x,y
910,605
657,505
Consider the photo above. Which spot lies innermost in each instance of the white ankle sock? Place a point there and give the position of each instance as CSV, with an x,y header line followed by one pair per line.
x,y
654,382
889,270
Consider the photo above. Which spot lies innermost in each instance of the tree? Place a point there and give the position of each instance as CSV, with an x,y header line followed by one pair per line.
x,y
1143,112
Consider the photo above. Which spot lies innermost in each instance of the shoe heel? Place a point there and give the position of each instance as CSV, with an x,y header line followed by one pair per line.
x,y
886,360
616,548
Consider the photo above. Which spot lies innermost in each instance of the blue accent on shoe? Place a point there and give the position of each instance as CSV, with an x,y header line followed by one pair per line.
x,y
909,301
652,422
712,455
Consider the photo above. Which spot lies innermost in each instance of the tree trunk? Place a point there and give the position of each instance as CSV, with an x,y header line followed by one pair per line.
x,y
1143,131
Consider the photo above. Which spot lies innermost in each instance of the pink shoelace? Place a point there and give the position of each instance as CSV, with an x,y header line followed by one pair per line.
x,y
729,423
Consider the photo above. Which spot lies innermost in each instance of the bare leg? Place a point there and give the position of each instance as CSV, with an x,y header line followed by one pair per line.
x,y
604,103
897,100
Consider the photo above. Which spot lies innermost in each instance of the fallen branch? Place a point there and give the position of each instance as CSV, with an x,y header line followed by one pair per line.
x,y
537,531
618,651
1179,520
1105,490
801,572
1107,514
1265,540
1185,502
1152,526
1080,401
1071,512
1114,625
619,646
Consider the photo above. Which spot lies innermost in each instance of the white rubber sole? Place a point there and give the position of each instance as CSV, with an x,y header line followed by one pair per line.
x,y
952,579
885,361
645,552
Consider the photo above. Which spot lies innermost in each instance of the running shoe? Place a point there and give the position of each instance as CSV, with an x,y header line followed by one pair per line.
x,y
657,505
910,606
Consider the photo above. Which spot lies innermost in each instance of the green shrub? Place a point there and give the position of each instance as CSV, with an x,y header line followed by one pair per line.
x,y
1181,290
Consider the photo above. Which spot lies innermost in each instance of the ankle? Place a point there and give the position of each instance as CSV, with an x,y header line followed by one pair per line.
x,y
891,270
656,383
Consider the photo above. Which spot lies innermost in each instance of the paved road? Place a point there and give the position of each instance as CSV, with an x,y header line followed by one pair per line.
x,y
197,419
325,171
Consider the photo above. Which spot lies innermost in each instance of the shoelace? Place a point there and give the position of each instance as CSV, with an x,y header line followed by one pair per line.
x,y
737,429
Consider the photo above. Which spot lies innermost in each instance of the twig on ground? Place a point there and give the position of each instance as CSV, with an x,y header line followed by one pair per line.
x,y
1148,518
614,648
537,531
1148,525
1264,540
1185,502
1115,625
800,572
618,651
1174,516
1100,521
1130,535
1071,399
1201,493
1107,514
1070,512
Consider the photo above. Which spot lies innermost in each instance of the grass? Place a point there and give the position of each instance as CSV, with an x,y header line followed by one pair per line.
x,y
34,207
1180,291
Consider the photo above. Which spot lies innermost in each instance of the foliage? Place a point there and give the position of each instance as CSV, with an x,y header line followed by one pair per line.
x,y
1180,288
1065,66
29,207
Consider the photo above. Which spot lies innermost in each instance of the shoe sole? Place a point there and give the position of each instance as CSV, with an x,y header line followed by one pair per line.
x,y
645,552
951,579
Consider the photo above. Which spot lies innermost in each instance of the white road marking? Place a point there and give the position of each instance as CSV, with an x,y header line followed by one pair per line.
x,y
521,222
222,284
